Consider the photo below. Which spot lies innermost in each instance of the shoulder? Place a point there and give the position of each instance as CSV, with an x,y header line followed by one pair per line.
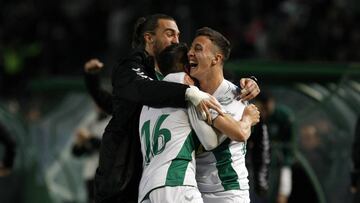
x,y
174,113
167,110
170,116
232,88
232,85
229,92
138,62
137,56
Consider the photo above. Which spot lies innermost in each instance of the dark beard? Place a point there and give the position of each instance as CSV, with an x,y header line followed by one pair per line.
x,y
157,48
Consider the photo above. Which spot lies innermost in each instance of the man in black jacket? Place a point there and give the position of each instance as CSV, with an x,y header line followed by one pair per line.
x,y
258,160
135,84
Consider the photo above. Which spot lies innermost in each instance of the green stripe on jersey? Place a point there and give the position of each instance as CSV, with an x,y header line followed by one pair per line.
x,y
159,76
227,174
177,169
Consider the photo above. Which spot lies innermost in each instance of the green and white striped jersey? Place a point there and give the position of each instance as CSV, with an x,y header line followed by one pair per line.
x,y
168,147
224,167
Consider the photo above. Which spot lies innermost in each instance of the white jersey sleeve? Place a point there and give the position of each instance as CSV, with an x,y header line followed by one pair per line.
x,y
206,134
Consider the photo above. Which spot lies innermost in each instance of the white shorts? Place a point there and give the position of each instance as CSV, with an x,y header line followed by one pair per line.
x,y
230,196
177,194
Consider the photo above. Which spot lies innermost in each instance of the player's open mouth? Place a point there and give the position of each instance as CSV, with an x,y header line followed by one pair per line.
x,y
193,65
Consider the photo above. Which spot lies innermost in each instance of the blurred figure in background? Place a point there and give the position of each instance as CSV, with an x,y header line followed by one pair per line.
x,y
88,138
87,144
355,180
7,163
279,122
258,159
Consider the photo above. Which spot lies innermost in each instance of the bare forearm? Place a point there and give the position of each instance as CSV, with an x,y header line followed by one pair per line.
x,y
235,130
245,127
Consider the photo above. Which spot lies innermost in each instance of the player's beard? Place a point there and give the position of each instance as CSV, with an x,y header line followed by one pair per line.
x,y
158,47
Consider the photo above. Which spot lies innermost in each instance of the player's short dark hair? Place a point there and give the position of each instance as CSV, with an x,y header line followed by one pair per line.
x,y
167,59
217,38
146,24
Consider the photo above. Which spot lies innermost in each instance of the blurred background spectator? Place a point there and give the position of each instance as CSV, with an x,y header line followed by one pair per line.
x,y
87,145
39,38
258,161
279,121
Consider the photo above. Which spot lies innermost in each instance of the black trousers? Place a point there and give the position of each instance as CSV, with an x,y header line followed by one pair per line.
x,y
118,175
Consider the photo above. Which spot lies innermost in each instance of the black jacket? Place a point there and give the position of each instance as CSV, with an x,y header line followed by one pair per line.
x,y
101,97
134,85
259,157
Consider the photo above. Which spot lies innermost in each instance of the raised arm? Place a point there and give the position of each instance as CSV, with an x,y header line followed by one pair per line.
x,y
101,97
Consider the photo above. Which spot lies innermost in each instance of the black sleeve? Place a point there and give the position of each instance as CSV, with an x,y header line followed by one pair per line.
x,y
78,150
356,155
260,158
101,97
95,143
10,147
92,145
132,84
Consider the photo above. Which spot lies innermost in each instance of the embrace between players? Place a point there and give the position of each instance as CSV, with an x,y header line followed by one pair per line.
x,y
192,139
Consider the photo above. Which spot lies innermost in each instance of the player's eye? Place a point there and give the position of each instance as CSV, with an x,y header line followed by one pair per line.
x,y
170,34
198,48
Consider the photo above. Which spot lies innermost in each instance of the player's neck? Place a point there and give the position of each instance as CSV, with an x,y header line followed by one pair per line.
x,y
157,67
211,82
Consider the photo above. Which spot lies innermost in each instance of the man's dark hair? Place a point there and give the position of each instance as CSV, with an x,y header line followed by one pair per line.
x,y
170,56
146,24
218,39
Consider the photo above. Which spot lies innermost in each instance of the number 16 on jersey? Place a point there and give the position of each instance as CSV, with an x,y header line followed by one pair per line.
x,y
154,142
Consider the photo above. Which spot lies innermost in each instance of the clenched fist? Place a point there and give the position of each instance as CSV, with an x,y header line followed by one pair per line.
x,y
93,66
252,113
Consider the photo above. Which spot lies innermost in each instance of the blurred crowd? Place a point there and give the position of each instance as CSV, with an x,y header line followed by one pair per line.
x,y
40,38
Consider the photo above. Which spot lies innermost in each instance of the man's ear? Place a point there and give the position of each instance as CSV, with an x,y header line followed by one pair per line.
x,y
217,59
148,38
